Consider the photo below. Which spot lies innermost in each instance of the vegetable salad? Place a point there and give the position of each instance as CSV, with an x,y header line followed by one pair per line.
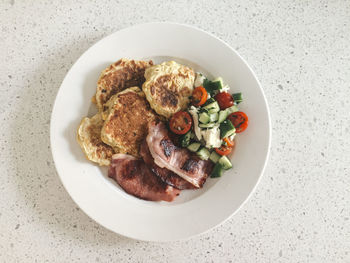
x,y
211,122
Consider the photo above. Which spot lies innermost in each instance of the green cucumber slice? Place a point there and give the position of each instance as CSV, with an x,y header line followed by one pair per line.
x,y
203,153
217,171
185,139
207,125
193,147
237,97
232,109
214,157
222,116
225,162
226,129
213,117
212,107
204,117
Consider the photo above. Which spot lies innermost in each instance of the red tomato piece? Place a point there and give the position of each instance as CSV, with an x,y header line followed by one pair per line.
x,y
223,150
199,96
224,99
180,122
229,142
240,120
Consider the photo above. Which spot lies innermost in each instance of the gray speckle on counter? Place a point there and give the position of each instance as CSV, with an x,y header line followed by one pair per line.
x,y
301,54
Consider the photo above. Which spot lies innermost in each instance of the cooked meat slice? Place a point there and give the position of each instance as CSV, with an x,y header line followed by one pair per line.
x,y
179,160
137,179
166,175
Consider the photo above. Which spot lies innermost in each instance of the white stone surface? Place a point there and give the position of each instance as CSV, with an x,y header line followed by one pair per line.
x,y
301,53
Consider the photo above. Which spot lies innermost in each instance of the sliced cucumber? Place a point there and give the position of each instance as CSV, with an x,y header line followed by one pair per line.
x,y
226,129
217,171
222,116
214,157
185,139
193,147
204,117
214,110
212,86
218,82
225,162
207,125
232,109
237,97
209,101
203,153
212,107
211,89
202,110
214,117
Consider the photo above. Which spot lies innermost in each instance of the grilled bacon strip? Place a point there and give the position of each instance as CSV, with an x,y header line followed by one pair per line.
x,y
136,178
166,175
178,160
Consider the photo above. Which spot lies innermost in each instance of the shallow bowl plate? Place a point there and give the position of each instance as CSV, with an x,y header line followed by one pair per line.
x,y
193,212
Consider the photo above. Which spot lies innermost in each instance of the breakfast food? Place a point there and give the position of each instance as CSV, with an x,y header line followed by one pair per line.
x,y
123,74
169,136
137,179
126,124
164,174
216,120
177,159
168,87
89,138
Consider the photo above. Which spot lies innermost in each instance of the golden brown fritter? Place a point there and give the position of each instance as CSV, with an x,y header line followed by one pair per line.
x,y
126,124
168,87
119,76
89,138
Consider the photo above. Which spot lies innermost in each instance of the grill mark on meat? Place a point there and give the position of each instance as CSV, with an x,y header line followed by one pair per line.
x,y
164,174
178,160
130,171
190,165
168,147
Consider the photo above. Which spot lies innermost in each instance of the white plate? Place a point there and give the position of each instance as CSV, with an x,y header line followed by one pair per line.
x,y
194,211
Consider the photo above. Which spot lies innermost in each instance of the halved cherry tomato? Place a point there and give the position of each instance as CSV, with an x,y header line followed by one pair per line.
x,y
229,142
181,122
240,120
199,96
223,150
224,99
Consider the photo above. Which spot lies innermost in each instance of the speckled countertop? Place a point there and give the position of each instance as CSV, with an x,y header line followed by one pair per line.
x,y
301,53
